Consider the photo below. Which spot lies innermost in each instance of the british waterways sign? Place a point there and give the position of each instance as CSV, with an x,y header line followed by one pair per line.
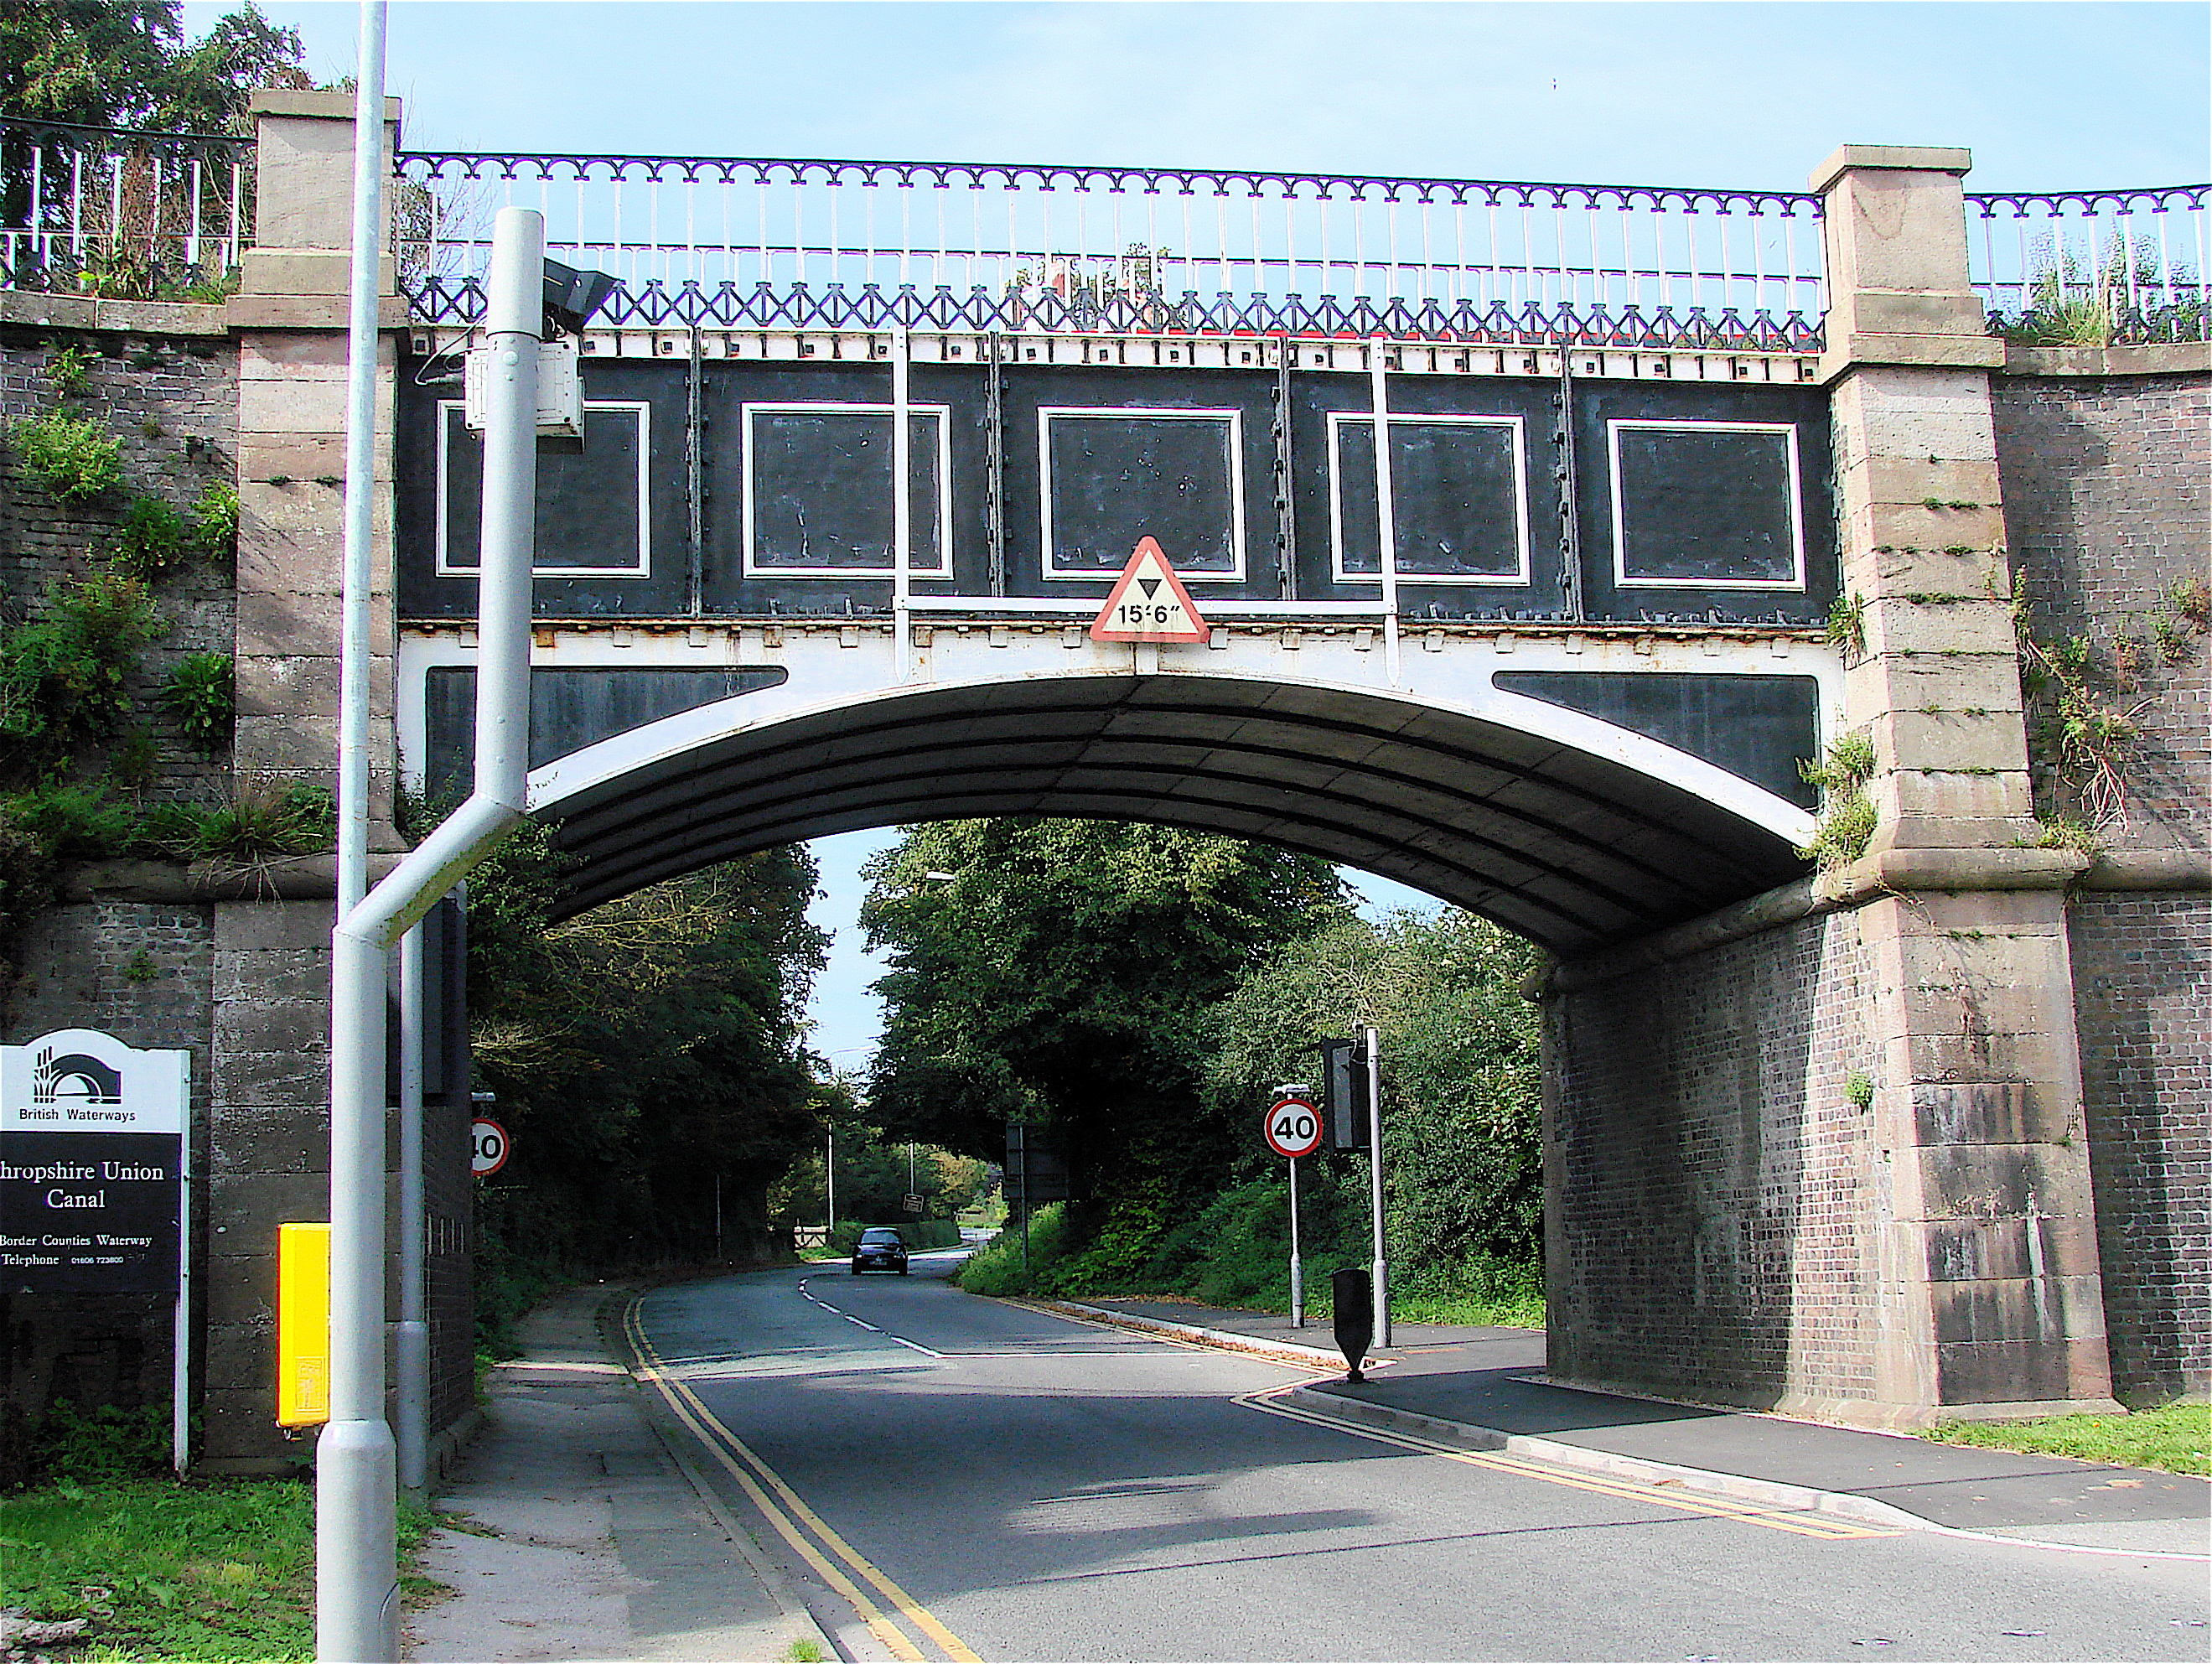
x,y
92,1165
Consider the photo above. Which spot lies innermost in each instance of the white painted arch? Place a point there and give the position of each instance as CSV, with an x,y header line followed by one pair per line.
x,y
1567,827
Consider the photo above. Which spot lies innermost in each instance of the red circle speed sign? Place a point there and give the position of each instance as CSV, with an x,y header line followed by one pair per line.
x,y
488,1147
1292,1127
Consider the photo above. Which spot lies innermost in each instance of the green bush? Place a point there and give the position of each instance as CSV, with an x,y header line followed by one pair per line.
x,y
996,1268
202,693
151,540
214,521
919,1234
70,370
72,822
62,677
99,1446
77,460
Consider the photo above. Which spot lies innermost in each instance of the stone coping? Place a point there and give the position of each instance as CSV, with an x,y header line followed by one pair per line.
x,y
86,312
294,878
2160,358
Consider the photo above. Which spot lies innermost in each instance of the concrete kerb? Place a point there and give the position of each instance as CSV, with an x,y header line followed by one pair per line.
x,y
1736,1487
1226,1339
781,1589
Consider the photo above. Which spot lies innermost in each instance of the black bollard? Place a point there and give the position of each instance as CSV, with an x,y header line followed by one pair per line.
x,y
1354,1296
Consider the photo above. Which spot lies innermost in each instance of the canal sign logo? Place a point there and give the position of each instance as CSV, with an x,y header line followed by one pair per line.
x,y
99,1083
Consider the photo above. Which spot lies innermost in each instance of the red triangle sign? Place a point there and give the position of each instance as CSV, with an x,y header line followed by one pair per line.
x,y
1149,603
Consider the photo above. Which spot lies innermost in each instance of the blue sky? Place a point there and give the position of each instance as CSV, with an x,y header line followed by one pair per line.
x,y
2047,96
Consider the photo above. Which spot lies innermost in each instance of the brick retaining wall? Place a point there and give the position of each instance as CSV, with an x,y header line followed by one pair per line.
x,y
2108,500
1710,1224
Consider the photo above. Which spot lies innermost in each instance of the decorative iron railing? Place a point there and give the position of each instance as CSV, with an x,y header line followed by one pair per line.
x,y
2094,268
777,243
128,215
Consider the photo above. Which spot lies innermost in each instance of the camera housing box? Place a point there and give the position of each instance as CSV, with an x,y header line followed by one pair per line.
x,y
560,389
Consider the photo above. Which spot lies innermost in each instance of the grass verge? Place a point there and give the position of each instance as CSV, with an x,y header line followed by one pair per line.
x,y
2175,1438
218,1573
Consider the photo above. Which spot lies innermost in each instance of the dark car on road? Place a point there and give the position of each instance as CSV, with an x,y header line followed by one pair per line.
x,y
880,1249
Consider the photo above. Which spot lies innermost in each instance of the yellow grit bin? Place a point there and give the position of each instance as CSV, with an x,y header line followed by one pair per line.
x,y
303,1324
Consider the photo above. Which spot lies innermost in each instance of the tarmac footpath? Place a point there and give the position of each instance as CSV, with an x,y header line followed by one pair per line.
x,y
577,1535
1484,1389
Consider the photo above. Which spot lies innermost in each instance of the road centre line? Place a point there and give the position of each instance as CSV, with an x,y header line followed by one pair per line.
x,y
911,1345
1625,1489
787,1518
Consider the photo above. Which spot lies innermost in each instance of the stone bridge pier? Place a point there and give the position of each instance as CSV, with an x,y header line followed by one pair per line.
x,y
1832,1150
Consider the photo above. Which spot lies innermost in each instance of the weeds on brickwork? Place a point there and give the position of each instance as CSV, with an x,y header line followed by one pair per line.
x,y
269,818
69,371
1858,1090
1847,624
1847,814
151,542
202,695
74,458
2064,832
2078,726
214,521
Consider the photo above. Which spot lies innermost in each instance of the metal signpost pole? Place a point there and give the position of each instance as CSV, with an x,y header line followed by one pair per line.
x,y
1373,1038
1297,1266
357,1573
412,1340
180,1339
356,1559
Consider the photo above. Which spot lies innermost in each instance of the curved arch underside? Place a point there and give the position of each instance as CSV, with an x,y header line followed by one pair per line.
x,y
1572,850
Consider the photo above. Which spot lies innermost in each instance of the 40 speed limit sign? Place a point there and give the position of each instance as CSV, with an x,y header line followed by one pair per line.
x,y
1292,1127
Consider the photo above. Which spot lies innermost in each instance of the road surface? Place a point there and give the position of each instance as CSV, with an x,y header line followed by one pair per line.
x,y
947,1477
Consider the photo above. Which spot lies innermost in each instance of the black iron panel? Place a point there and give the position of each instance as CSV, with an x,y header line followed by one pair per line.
x,y
568,710
587,504
1456,498
1458,493
811,464
1168,473
1704,503
1757,727
1112,479
1700,506
590,503
817,489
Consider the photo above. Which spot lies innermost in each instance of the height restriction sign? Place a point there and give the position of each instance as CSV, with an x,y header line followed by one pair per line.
x,y
1293,1126
1149,603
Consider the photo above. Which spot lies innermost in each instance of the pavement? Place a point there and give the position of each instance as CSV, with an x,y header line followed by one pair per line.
x,y
1483,1388
577,1535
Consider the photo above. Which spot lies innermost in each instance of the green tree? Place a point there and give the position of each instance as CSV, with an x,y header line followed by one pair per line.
x,y
127,63
1059,971
1462,1073
642,1051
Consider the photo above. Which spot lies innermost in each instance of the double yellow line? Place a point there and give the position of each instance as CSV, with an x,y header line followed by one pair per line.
x,y
1626,1490
833,1560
